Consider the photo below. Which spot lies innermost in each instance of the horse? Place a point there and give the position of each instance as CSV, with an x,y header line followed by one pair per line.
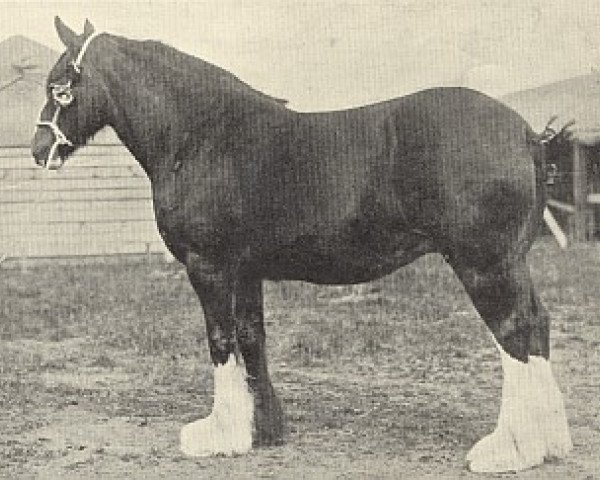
x,y
246,190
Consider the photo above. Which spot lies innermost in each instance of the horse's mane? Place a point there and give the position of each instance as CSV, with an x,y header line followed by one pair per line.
x,y
183,65
210,100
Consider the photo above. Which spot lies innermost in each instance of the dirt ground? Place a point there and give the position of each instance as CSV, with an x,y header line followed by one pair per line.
x,y
100,366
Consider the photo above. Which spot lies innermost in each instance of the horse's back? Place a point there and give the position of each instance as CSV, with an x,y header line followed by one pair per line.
x,y
387,182
413,156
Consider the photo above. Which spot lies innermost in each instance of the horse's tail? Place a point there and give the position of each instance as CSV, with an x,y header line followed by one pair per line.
x,y
547,148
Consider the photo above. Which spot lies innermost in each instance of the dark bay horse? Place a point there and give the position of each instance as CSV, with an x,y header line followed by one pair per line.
x,y
246,189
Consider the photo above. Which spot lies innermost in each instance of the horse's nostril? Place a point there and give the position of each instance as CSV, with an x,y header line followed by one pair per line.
x,y
40,145
38,152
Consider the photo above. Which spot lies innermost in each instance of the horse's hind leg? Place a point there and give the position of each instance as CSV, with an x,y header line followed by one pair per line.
x,y
249,319
532,425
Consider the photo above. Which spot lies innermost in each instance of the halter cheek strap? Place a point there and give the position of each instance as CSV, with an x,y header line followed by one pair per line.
x,y
52,161
77,63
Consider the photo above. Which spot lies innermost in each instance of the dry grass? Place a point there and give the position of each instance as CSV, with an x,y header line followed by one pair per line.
x,y
401,372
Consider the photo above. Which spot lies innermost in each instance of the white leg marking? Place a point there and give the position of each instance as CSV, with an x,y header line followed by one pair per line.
x,y
532,425
228,429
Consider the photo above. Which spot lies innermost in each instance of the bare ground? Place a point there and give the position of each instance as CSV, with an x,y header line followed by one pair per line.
x,y
101,366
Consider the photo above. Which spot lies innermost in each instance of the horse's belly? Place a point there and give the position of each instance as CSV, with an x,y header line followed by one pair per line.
x,y
339,266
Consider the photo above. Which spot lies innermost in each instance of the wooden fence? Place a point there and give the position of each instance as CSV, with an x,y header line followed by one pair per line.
x,y
98,204
575,195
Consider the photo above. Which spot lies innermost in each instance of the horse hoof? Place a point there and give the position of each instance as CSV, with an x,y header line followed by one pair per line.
x,y
501,452
269,437
205,438
268,423
497,453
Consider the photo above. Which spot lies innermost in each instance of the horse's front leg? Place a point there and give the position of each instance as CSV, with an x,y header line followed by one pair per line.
x,y
249,317
228,428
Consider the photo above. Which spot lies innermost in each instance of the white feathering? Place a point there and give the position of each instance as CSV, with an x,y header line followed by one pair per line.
x,y
228,429
532,424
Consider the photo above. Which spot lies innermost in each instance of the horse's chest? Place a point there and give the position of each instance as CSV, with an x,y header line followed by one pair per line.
x,y
169,210
191,204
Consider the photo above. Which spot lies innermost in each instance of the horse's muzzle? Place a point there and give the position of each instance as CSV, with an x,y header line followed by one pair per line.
x,y
44,149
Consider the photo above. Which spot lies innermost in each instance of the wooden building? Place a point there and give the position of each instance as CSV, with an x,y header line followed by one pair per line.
x,y
574,187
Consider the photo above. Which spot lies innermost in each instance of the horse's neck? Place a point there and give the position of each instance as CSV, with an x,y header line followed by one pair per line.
x,y
154,118
147,124
148,118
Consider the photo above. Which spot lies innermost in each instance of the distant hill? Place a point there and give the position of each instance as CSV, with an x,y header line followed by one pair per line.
x,y
575,98
20,56
24,66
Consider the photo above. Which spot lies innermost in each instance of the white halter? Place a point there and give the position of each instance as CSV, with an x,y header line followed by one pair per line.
x,y
77,63
63,97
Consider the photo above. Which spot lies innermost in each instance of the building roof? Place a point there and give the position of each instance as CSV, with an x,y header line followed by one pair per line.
x,y
575,98
24,65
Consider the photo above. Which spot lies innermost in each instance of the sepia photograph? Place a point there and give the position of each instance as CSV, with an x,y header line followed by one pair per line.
x,y
314,239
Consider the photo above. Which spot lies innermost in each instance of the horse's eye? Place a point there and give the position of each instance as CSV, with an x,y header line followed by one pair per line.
x,y
62,94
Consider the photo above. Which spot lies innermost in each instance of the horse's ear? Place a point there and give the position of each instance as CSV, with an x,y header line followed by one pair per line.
x,y
88,28
67,36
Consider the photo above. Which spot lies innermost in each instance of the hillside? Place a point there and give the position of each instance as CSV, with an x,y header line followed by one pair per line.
x,y
23,68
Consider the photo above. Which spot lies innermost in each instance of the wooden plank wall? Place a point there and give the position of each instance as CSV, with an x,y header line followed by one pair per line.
x,y
98,204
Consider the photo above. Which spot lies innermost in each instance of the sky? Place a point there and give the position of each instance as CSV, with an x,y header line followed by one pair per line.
x,y
323,55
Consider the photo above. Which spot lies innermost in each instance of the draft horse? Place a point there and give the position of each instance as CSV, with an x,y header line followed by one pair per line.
x,y
246,189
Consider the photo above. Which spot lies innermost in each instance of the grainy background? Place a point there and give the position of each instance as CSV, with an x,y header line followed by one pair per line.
x,y
101,365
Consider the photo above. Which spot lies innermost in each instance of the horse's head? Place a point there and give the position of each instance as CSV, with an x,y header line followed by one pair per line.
x,y
77,99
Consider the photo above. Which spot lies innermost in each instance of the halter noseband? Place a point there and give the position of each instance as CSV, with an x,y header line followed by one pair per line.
x,y
63,97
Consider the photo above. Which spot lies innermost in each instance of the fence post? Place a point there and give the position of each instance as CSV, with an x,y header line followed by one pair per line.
x,y
580,217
